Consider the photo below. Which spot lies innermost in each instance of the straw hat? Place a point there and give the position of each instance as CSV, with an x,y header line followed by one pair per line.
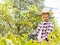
x,y
46,10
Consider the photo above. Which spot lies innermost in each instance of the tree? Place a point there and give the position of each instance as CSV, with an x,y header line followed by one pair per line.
x,y
29,15
7,17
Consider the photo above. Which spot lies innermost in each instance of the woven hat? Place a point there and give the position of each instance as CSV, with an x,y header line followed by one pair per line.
x,y
46,10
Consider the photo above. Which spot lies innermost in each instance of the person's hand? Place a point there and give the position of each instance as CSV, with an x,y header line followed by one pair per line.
x,y
30,33
34,33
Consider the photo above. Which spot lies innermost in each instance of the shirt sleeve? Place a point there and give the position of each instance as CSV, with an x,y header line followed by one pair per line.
x,y
49,28
38,29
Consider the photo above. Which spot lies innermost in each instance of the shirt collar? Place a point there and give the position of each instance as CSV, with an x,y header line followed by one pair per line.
x,y
46,20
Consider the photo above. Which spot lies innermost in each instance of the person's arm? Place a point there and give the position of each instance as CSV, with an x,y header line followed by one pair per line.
x,y
49,29
37,29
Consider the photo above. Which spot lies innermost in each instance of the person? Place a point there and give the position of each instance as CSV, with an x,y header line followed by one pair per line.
x,y
44,28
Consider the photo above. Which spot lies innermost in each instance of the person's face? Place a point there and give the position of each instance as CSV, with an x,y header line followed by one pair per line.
x,y
45,16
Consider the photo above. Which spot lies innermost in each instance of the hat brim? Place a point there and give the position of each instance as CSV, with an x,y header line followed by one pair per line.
x,y
47,13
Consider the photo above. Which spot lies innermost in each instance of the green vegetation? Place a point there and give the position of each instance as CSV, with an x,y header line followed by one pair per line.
x,y
20,17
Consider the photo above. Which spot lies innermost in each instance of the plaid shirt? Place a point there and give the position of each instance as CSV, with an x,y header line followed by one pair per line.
x,y
43,30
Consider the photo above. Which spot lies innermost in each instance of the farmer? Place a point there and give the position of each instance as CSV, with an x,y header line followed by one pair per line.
x,y
44,28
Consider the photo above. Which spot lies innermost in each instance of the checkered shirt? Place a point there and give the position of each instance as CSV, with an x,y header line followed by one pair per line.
x,y
43,29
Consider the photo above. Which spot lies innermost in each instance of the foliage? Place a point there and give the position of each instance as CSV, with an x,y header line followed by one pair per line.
x,y
29,15
17,20
12,39
8,17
